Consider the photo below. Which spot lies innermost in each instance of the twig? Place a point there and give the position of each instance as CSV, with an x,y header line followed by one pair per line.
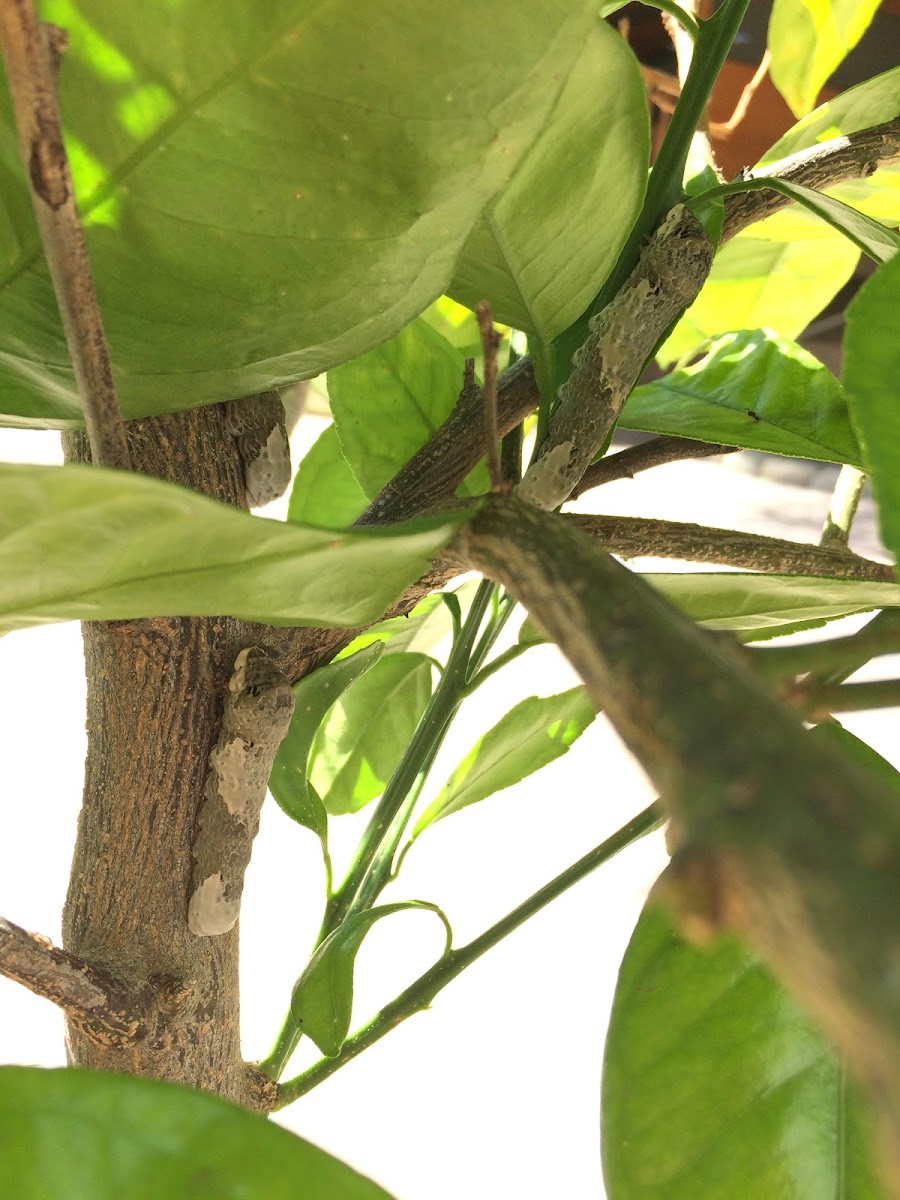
x,y
655,453
724,129
848,490
855,156
777,663
511,457
490,342
638,537
86,994
28,52
818,702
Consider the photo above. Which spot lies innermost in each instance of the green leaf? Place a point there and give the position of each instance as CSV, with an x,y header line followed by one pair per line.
x,y
322,1001
808,39
325,491
313,697
550,238
427,624
868,235
869,759
869,103
531,735
83,543
715,1085
89,1135
759,281
756,390
756,606
759,604
268,189
871,371
389,402
361,740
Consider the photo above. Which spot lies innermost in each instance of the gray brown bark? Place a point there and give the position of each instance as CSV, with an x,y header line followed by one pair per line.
x,y
155,695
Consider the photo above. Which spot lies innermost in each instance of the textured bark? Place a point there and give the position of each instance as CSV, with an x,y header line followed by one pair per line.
x,y
155,696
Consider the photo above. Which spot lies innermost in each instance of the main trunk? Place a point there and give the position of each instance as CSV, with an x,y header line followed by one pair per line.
x,y
154,702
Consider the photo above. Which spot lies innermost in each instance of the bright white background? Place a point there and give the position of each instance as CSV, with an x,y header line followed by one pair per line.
x,y
495,1092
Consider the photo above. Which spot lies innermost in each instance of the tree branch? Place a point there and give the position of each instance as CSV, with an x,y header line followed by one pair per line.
x,y
855,156
655,453
636,537
786,842
87,995
28,51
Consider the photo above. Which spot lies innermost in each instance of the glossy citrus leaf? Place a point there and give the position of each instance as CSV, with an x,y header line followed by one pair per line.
x,y
760,604
322,1001
89,1135
808,39
361,740
752,389
313,697
389,402
268,189
83,543
869,103
871,372
536,732
870,236
325,491
544,246
714,1084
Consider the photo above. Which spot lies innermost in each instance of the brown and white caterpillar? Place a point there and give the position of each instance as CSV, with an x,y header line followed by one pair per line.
x,y
257,715
671,271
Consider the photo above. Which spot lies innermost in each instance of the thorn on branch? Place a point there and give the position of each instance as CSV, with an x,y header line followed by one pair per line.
x,y
490,342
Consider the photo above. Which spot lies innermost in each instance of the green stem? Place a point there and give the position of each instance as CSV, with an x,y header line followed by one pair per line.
x,y
848,490
823,658
420,994
665,186
820,702
496,664
371,866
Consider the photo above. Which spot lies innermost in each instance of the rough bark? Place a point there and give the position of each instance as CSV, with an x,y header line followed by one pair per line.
x,y
155,695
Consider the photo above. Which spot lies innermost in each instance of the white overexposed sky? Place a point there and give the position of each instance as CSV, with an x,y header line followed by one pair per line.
x,y
495,1091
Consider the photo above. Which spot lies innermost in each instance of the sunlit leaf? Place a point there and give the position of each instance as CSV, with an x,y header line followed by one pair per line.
x,y
89,1135
531,735
325,491
83,543
268,189
868,103
322,1001
808,39
715,1085
869,236
389,402
361,740
313,697
752,389
542,248
871,372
